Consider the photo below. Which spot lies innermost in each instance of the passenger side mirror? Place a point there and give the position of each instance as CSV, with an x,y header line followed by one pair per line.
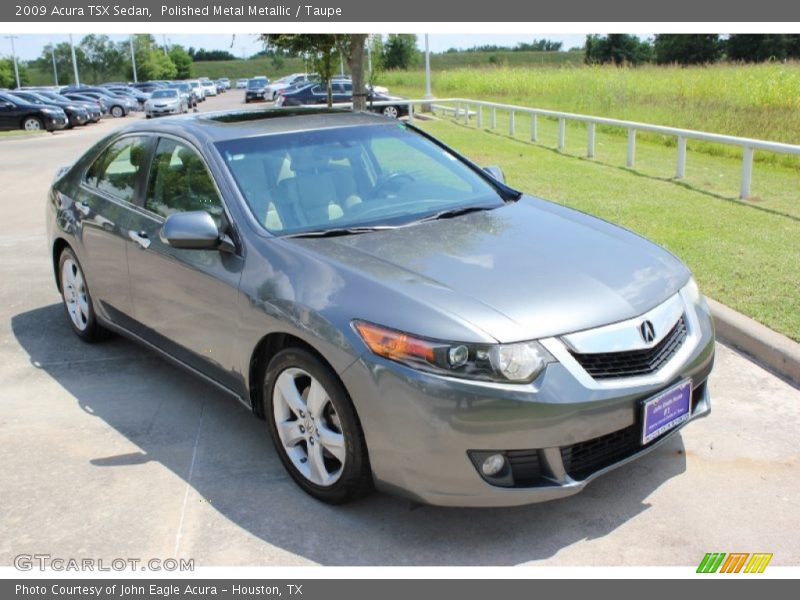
x,y
194,230
496,172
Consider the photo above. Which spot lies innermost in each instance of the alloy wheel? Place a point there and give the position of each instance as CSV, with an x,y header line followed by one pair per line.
x,y
75,296
32,124
309,427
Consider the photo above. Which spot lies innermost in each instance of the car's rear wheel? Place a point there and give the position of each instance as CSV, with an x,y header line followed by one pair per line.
x,y
390,111
32,124
314,427
77,300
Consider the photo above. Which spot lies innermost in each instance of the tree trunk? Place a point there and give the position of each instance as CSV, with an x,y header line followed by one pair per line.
x,y
355,60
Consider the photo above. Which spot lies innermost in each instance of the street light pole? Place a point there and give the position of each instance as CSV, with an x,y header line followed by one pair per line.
x,y
14,57
55,68
133,59
428,93
74,61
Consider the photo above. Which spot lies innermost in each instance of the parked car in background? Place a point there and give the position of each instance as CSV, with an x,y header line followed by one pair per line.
x,y
342,91
118,105
99,100
256,90
16,113
241,83
139,95
92,106
167,101
284,82
399,316
209,87
198,89
223,84
147,87
76,114
186,91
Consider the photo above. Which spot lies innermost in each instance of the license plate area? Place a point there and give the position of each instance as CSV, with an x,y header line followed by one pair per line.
x,y
666,411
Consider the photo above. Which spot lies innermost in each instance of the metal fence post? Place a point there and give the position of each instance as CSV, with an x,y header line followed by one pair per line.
x,y
511,124
562,133
410,111
479,116
466,114
631,148
680,171
534,127
590,148
747,172
458,110
494,118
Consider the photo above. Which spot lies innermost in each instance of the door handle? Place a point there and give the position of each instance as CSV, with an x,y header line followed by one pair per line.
x,y
140,237
84,208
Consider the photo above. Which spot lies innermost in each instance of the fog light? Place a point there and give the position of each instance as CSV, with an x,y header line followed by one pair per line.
x,y
493,464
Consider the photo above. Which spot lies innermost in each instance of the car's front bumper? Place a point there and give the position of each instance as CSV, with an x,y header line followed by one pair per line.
x,y
420,428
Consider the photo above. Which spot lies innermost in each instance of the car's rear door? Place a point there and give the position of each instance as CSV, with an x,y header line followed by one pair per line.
x,y
184,300
103,203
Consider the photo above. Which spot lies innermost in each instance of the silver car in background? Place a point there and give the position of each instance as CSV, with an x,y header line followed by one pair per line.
x,y
400,317
166,101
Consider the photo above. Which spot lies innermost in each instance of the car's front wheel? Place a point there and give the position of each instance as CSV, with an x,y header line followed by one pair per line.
x,y
32,124
314,427
77,301
391,111
117,112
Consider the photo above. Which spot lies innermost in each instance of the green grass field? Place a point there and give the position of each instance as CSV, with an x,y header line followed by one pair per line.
x,y
759,101
742,254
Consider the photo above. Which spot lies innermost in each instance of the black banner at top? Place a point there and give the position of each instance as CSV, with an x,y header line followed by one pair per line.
x,y
333,11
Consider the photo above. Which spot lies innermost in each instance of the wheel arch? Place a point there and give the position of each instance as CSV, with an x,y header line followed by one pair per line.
x,y
59,245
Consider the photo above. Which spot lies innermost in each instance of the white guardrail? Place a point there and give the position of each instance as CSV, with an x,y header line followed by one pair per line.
x,y
466,108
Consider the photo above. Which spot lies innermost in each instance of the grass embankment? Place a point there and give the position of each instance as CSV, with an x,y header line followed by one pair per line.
x,y
741,254
758,101
15,133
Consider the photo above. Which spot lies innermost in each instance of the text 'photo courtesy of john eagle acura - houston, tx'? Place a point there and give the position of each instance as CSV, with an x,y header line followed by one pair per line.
x,y
400,318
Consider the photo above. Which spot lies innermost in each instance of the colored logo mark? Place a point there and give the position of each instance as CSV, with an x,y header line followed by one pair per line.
x,y
734,562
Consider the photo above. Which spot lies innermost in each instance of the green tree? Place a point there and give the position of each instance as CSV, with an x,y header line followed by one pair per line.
x,y
151,61
687,48
754,47
617,48
182,61
400,51
102,59
63,62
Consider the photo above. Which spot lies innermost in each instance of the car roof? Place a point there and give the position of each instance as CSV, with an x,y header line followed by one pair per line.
x,y
227,125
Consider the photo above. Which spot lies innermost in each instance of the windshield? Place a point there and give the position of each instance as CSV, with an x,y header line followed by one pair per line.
x,y
365,176
256,83
165,94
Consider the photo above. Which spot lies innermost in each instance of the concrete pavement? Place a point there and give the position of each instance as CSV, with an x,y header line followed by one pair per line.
x,y
109,451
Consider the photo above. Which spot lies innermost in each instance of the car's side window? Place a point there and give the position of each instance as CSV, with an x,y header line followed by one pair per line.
x,y
180,182
116,170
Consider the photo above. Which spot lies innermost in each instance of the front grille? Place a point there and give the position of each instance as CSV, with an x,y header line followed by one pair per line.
x,y
610,365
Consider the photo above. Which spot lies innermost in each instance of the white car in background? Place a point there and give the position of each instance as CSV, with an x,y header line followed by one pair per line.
x,y
241,83
283,83
209,87
198,89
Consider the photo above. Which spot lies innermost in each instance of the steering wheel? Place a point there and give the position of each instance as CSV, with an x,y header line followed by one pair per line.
x,y
388,179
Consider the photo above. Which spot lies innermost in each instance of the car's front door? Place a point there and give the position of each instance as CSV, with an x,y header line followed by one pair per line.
x,y
101,208
184,300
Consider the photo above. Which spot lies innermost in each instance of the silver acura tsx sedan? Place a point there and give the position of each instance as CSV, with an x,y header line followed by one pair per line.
x,y
399,317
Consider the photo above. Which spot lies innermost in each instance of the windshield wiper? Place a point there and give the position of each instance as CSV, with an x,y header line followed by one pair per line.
x,y
453,212
338,231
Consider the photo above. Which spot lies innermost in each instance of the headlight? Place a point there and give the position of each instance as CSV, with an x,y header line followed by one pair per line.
x,y
517,363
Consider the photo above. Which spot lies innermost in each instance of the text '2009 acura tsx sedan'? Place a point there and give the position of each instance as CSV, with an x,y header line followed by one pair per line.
x,y
399,317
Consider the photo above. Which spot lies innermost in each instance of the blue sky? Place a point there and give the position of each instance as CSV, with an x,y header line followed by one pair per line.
x,y
30,46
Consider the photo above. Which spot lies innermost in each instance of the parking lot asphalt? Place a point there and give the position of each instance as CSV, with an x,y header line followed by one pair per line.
x,y
108,451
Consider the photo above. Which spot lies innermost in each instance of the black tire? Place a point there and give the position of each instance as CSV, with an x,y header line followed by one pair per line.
x,y
355,480
93,331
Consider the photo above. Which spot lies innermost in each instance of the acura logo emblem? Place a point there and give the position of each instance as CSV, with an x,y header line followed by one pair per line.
x,y
647,331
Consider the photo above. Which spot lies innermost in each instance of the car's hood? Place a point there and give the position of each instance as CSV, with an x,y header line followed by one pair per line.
x,y
547,269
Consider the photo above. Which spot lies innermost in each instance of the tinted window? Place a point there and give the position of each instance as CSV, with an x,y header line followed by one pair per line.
x,y
179,182
116,170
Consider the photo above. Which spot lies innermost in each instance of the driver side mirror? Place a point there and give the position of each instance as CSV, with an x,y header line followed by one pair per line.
x,y
496,172
194,230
